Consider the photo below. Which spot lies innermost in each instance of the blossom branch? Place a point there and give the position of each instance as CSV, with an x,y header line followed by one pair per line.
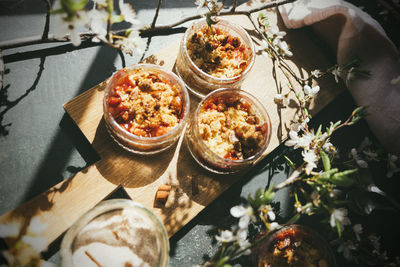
x,y
234,6
147,31
290,180
46,29
153,24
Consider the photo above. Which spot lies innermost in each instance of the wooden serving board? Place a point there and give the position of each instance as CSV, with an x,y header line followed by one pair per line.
x,y
193,187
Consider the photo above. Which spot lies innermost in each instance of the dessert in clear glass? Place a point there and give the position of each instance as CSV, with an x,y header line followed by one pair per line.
x,y
293,245
117,232
229,131
214,57
145,108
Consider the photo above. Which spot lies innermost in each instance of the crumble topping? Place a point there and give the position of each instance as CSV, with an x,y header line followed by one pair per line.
x,y
230,128
218,53
145,103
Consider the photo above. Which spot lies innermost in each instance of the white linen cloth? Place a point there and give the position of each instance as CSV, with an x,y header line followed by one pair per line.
x,y
353,33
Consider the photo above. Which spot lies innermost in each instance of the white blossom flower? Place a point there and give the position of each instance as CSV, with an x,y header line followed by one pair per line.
x,y
346,248
306,139
350,74
9,230
274,31
271,215
285,48
39,244
375,241
357,228
392,165
36,226
395,81
273,226
311,91
132,43
241,237
200,3
128,13
282,100
360,162
328,146
339,216
71,27
299,125
225,236
334,193
244,213
316,73
213,5
294,139
263,45
336,73
98,24
371,155
311,159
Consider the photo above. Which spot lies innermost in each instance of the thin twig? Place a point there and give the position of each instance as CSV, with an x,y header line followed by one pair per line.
x,y
146,31
1,69
234,6
282,65
153,24
92,258
46,29
290,180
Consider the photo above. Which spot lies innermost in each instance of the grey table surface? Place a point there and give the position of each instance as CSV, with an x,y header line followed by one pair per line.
x,y
39,146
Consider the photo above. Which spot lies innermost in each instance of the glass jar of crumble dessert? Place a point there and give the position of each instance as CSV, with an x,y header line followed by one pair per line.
x,y
117,232
293,245
145,108
229,131
214,57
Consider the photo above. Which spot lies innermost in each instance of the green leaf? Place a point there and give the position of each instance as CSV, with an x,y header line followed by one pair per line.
x,y
339,230
325,160
327,175
294,219
222,262
343,178
117,19
79,5
209,19
289,162
57,11
318,131
268,196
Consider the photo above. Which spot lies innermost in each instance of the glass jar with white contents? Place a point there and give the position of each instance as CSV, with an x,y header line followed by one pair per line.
x,y
214,57
229,131
117,232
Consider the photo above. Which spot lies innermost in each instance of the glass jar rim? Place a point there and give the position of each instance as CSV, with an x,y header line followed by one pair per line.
x,y
153,139
254,101
101,208
236,27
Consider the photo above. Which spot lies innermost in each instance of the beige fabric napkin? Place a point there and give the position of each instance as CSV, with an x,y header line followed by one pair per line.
x,y
353,33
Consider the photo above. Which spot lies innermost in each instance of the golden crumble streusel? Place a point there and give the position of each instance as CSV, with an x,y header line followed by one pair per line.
x,y
145,103
230,129
218,53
